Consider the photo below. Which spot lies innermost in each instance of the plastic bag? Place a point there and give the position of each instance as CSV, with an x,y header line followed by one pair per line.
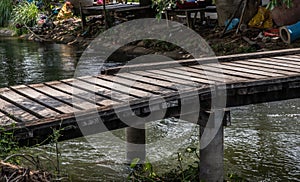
x,y
262,19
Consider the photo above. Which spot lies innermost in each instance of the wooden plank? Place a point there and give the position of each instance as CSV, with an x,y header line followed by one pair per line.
x,y
35,108
289,57
56,94
152,81
243,64
13,111
43,99
289,62
78,99
100,95
179,83
106,91
196,71
197,77
266,61
226,76
212,77
122,89
265,64
237,72
5,120
135,83
256,74
167,72
89,91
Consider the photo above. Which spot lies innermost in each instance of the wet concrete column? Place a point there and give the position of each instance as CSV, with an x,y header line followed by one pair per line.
x,y
136,147
212,145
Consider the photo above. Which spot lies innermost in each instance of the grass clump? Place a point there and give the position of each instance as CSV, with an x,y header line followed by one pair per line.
x,y
6,7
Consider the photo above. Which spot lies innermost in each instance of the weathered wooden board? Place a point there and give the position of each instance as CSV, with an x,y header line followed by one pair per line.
x,y
197,81
79,96
283,62
221,73
265,64
38,110
137,84
5,120
153,81
245,72
290,58
14,111
43,99
195,73
56,94
267,70
119,88
92,92
200,78
179,83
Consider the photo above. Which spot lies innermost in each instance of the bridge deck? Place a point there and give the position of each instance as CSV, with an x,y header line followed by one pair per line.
x,y
37,108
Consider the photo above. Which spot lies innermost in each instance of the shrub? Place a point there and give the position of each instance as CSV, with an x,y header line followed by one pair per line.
x,y
25,14
6,7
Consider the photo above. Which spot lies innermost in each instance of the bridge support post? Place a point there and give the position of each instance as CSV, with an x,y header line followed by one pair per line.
x,y
136,147
212,155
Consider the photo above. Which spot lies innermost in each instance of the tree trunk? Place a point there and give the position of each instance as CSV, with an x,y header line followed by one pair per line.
x,y
225,8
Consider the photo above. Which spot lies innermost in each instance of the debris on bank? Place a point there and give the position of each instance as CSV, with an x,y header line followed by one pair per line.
x,y
10,172
6,32
258,34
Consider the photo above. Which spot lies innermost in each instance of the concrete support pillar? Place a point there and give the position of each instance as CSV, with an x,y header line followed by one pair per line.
x,y
136,147
212,154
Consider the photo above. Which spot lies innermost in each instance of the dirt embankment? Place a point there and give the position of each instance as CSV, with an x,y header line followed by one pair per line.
x,y
71,32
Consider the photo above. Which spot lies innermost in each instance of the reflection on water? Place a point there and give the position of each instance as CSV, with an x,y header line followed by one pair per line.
x,y
263,143
30,62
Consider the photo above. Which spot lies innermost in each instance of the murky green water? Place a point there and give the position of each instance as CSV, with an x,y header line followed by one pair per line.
x,y
263,143
30,62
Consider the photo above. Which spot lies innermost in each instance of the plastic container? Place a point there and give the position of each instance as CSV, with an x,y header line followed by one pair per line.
x,y
233,23
290,33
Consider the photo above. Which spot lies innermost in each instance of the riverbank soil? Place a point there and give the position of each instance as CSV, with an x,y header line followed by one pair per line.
x,y
71,32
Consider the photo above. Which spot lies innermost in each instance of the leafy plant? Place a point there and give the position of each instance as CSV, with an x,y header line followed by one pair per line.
x,y
142,172
25,14
275,3
6,7
8,143
146,172
161,5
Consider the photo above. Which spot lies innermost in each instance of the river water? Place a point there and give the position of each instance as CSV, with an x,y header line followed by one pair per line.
x,y
263,143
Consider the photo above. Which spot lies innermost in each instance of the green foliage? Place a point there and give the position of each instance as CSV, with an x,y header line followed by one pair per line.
x,y
6,7
162,5
146,172
25,14
8,144
142,172
274,3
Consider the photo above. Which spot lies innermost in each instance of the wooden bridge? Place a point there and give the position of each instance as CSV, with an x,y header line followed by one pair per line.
x,y
249,78
34,110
